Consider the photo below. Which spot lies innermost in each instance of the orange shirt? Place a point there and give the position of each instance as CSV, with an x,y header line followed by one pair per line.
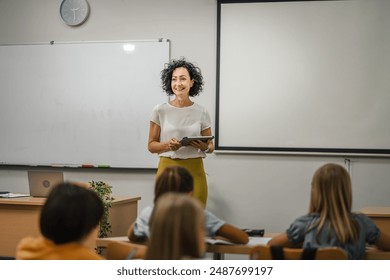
x,y
31,248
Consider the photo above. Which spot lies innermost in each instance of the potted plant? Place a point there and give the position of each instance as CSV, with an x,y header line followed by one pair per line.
x,y
104,191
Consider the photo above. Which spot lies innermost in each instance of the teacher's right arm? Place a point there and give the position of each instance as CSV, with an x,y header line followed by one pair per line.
x,y
154,144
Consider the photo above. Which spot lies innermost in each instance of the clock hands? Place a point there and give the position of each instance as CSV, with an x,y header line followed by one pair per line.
x,y
74,12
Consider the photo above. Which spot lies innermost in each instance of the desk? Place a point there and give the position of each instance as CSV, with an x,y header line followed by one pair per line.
x,y
220,249
380,216
20,218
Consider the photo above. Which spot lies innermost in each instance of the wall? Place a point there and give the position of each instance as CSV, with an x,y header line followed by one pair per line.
x,y
258,191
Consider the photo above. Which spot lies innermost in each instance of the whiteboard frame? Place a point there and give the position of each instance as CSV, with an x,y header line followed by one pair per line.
x,y
147,164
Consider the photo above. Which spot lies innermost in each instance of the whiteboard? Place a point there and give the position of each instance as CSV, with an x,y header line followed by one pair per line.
x,y
80,103
304,76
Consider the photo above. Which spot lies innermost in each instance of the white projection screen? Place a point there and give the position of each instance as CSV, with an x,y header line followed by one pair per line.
x,y
304,77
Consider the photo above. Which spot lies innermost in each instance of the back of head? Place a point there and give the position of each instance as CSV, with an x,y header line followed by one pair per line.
x,y
176,228
331,198
331,187
70,213
173,179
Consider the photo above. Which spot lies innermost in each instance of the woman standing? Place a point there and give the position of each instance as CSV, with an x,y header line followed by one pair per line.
x,y
178,118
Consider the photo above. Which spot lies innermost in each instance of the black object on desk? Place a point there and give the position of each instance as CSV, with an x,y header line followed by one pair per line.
x,y
254,232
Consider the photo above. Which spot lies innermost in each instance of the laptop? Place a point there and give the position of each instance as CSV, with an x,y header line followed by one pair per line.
x,y
41,182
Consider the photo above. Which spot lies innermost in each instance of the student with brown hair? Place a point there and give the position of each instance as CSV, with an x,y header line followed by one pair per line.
x,y
69,224
178,179
330,221
176,228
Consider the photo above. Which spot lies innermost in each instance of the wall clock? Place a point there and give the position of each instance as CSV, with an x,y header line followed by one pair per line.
x,y
74,12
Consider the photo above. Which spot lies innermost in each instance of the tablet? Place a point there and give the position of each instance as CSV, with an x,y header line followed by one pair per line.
x,y
186,140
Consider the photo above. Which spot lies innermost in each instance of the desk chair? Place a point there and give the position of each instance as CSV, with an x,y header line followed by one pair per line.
x,y
124,251
262,252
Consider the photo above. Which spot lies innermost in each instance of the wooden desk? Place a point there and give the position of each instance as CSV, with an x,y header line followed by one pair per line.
x,y
20,218
220,249
380,216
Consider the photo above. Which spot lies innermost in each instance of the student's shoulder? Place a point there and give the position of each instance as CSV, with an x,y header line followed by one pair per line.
x,y
147,211
306,219
362,218
210,217
75,251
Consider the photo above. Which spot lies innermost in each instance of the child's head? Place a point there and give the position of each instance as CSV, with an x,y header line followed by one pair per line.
x,y
331,199
176,228
331,190
71,212
173,179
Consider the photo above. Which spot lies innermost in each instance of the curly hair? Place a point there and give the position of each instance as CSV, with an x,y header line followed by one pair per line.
x,y
194,71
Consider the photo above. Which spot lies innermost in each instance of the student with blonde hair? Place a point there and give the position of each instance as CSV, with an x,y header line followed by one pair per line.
x,y
176,228
330,221
178,179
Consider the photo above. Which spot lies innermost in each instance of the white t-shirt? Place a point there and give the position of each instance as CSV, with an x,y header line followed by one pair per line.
x,y
177,122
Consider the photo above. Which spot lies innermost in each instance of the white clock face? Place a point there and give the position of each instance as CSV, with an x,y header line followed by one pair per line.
x,y
74,12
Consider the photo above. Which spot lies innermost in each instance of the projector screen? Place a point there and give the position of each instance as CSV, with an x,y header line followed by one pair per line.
x,y
304,77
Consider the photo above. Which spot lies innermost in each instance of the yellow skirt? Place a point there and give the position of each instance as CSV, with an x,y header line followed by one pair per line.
x,y
196,168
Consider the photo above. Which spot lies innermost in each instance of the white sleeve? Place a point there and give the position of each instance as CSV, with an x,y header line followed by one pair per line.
x,y
155,115
141,225
212,223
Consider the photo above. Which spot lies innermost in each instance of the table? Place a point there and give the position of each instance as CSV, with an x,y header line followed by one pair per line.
x,y
20,218
380,216
219,250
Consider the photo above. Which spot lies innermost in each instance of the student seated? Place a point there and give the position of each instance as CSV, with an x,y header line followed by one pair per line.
x,y
69,223
176,228
178,179
330,222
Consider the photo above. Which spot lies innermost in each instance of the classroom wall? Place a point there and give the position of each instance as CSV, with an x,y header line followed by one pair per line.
x,y
249,190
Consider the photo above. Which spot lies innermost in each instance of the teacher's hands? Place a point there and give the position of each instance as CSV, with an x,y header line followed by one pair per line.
x,y
201,145
174,144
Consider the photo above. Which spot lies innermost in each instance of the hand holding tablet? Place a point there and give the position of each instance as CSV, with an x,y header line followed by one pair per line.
x,y
186,140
